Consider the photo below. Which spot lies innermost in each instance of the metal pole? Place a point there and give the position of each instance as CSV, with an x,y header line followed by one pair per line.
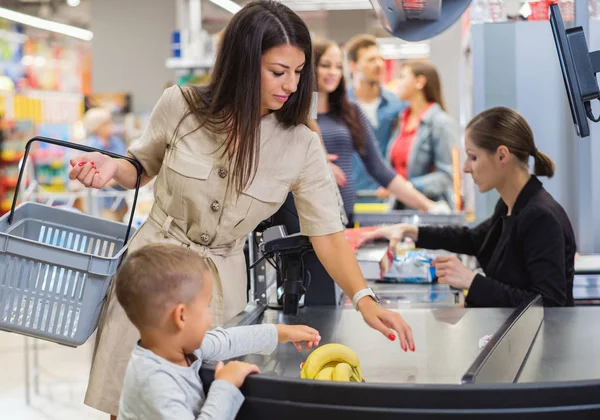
x,y
27,389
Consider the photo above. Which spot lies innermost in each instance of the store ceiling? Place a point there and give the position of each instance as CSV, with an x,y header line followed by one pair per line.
x,y
80,16
57,10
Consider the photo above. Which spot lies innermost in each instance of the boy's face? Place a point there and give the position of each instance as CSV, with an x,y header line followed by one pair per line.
x,y
198,321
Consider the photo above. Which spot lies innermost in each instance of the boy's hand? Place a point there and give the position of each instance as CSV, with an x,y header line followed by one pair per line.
x,y
298,333
235,372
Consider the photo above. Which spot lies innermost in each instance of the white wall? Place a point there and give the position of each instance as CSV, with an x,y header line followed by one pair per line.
x,y
445,55
130,45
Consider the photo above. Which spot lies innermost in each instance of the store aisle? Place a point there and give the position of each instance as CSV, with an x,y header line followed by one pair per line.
x,y
62,381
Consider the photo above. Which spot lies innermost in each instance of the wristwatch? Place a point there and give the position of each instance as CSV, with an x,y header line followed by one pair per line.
x,y
363,293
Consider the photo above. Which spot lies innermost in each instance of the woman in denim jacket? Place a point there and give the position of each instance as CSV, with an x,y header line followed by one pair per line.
x,y
420,148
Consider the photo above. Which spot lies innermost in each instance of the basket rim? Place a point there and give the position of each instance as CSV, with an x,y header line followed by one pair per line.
x,y
70,251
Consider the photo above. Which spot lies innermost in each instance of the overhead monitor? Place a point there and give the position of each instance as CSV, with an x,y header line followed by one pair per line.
x,y
579,68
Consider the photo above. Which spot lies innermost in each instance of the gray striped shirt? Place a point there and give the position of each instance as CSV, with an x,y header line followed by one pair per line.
x,y
338,141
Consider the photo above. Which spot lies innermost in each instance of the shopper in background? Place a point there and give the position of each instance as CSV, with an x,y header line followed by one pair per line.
x,y
98,125
528,246
380,106
225,156
420,149
345,130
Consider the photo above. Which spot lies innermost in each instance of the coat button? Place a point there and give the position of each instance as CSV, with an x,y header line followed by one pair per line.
x,y
222,172
204,238
215,206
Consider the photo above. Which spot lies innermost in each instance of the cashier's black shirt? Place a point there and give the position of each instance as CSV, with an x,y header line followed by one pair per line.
x,y
529,252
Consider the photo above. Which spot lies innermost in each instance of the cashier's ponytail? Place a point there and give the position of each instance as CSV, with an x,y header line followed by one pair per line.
x,y
543,165
502,126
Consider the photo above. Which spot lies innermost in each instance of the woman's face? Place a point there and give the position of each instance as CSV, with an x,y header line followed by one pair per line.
x,y
280,73
485,167
330,70
408,84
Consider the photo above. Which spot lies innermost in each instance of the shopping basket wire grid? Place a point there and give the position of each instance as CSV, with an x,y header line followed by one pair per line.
x,y
56,265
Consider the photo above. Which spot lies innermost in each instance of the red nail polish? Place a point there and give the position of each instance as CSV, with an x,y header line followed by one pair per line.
x,y
404,348
81,163
92,163
392,337
412,348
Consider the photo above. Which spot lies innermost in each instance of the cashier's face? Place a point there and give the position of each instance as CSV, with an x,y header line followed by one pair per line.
x,y
198,322
329,70
280,74
483,166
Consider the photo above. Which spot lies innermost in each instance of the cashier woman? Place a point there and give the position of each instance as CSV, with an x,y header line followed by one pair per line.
x,y
528,246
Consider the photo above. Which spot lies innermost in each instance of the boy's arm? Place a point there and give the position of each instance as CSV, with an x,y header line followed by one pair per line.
x,y
162,398
221,344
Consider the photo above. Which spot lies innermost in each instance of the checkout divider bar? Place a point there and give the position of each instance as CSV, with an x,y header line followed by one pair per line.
x,y
502,359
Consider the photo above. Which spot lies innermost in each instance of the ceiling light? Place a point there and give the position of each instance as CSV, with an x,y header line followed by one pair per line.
x,y
73,3
47,25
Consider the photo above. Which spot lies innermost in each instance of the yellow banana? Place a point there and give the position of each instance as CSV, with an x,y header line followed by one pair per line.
x,y
343,372
331,353
326,374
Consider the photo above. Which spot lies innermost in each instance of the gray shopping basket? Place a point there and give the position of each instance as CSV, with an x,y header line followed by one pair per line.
x,y
56,265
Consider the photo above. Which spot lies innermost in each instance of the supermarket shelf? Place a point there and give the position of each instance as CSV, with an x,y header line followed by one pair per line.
x,y
10,183
182,63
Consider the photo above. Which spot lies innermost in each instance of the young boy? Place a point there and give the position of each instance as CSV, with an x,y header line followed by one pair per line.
x,y
166,292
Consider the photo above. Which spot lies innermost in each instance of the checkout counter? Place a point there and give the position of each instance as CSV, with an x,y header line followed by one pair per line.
x,y
540,363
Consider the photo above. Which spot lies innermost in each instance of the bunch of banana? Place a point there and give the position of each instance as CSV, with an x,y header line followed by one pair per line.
x,y
332,362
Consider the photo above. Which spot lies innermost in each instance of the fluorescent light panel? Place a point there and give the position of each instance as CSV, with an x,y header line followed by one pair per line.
x,y
47,25
316,5
230,6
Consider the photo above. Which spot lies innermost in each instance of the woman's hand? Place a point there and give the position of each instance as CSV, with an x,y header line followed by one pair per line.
x,y
94,170
450,270
439,207
339,175
394,233
386,322
337,256
382,193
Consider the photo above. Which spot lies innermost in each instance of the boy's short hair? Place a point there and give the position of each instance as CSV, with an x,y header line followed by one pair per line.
x,y
357,43
157,277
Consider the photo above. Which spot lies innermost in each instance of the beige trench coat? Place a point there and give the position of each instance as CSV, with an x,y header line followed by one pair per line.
x,y
194,207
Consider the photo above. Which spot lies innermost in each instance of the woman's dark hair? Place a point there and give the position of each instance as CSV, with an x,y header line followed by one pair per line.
x,y
505,127
231,102
433,88
339,104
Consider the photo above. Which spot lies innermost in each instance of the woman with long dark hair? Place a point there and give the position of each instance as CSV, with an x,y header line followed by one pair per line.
x,y
225,156
346,130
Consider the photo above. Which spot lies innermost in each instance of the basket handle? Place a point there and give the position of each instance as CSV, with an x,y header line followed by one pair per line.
x,y
86,149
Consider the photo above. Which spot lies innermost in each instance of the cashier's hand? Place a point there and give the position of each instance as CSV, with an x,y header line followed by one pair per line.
x,y
450,270
387,322
93,169
297,334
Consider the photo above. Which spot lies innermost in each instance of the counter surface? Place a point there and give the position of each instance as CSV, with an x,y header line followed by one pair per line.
x,y
446,339
447,343
566,347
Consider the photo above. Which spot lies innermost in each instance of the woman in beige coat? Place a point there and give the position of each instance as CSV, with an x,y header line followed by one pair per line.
x,y
225,157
